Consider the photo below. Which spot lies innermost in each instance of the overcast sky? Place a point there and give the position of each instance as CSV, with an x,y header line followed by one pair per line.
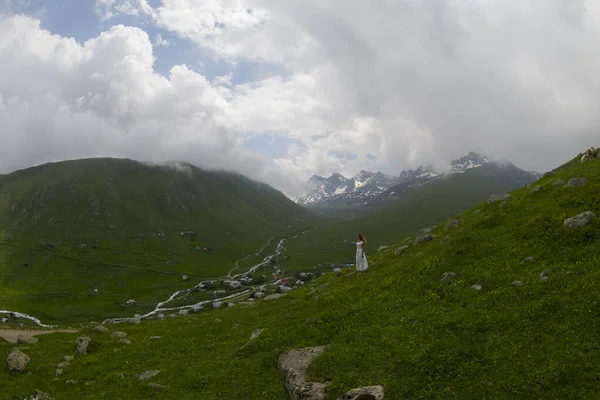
x,y
283,89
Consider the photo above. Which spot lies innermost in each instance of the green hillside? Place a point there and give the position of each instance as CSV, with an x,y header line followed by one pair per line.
x,y
518,319
128,230
390,222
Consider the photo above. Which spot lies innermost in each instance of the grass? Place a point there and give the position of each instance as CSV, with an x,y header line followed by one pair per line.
x,y
395,325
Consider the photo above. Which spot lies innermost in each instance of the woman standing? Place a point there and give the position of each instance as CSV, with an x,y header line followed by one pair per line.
x,y
361,258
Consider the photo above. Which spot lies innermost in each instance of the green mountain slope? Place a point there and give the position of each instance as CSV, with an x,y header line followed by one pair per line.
x,y
116,226
396,325
392,221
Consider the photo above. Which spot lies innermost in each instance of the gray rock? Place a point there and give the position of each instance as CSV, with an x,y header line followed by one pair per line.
x,y
155,385
183,312
494,198
144,376
26,339
294,365
185,278
284,289
259,295
71,382
155,337
275,296
256,334
517,283
559,182
477,287
81,345
400,250
39,395
381,248
69,358
504,204
337,270
63,365
580,220
17,361
217,320
576,182
365,393
452,224
172,315
217,304
196,307
100,328
544,275
528,260
160,316
476,212
424,237
59,372
118,335
447,276
124,341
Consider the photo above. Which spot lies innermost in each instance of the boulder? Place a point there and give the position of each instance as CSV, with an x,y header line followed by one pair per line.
x,y
81,345
365,393
183,312
144,376
579,220
63,365
259,295
185,278
559,182
400,250
517,283
100,328
447,276
477,287
494,198
118,335
294,365
576,182
544,275
527,260
452,224
17,361
124,341
424,237
26,339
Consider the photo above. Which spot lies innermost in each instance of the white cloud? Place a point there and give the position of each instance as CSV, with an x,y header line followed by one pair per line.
x,y
410,82
159,41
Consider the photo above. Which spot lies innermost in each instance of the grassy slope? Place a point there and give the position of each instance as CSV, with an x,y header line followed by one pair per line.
x,y
394,325
393,222
73,203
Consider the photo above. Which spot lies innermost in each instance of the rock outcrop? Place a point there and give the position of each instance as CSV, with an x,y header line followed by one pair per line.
x,y
293,365
579,220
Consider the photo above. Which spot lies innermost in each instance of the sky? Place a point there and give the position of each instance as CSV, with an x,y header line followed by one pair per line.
x,y
280,90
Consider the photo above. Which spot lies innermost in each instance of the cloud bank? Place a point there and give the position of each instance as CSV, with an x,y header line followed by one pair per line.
x,y
394,84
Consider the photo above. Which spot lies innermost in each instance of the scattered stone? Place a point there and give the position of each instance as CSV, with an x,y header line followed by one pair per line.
x,y
284,289
118,335
256,334
71,382
130,302
477,287
81,345
446,276
144,376
504,204
494,198
183,312
259,295
39,395
121,376
160,316
196,307
559,182
124,341
452,224
516,283
172,316
69,358
17,361
576,182
100,328
400,250
366,393
293,365
154,337
275,296
229,305
63,365
424,237
26,339
381,248
217,320
544,275
59,372
337,270
155,385
580,220
528,260
185,278
217,304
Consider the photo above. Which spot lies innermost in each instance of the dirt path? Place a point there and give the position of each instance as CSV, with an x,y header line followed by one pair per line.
x,y
11,335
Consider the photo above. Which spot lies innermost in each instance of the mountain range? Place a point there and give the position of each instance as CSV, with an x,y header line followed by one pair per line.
x,y
360,190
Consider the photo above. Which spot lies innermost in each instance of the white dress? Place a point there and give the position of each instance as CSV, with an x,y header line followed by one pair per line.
x,y
361,262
